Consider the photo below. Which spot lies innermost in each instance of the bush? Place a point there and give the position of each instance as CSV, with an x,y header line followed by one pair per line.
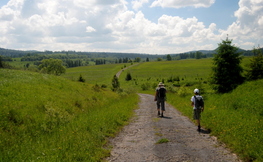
x,y
128,77
145,86
183,91
81,79
103,86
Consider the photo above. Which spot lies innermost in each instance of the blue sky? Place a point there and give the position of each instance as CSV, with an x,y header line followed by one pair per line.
x,y
139,26
221,9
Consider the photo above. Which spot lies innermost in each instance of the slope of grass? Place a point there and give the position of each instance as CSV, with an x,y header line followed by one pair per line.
x,y
147,75
49,118
97,74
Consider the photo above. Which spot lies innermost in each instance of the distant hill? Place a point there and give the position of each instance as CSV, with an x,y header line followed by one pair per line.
x,y
19,53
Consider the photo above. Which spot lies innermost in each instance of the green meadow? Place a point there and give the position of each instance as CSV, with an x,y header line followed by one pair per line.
x,y
50,118
99,74
57,118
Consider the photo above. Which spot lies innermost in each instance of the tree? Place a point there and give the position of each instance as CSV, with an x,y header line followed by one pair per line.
x,y
198,55
128,76
226,72
52,66
168,57
115,83
256,66
159,59
81,79
147,59
1,63
137,59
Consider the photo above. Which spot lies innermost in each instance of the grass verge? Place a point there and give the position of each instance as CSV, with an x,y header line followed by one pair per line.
x,y
49,118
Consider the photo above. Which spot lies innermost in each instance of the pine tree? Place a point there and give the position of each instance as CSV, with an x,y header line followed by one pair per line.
x,y
226,72
128,76
1,63
115,83
255,66
81,79
168,57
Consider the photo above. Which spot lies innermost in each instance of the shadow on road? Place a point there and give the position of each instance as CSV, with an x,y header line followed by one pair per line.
x,y
205,131
166,117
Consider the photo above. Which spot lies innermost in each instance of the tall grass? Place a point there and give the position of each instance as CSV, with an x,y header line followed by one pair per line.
x,y
241,119
48,118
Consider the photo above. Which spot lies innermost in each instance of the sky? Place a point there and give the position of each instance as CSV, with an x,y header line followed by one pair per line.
x,y
133,26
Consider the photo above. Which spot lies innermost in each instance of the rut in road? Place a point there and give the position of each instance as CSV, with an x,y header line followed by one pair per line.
x,y
137,141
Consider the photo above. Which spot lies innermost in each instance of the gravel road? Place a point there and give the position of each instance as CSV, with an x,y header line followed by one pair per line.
x,y
137,141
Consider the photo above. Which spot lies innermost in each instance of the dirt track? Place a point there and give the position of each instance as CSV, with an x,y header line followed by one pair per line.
x,y
137,141
119,73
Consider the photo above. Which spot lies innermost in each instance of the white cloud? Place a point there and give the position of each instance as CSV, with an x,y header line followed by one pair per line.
x,y
37,21
182,3
164,36
249,23
100,25
97,26
136,4
90,29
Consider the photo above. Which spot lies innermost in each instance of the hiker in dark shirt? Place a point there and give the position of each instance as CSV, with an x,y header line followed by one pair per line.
x,y
160,96
197,109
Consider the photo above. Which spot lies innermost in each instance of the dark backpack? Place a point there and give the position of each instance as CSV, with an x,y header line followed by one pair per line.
x,y
199,102
161,92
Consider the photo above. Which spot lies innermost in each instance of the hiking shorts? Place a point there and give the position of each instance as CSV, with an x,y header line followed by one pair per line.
x,y
197,114
160,104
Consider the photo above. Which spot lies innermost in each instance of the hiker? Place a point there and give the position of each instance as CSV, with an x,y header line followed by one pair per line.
x,y
160,97
198,106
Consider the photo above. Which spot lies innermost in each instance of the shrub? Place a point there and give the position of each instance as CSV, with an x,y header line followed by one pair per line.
x,y
183,91
128,77
145,86
81,79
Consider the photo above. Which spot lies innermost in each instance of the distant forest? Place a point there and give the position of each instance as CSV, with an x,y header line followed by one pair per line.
x,y
75,58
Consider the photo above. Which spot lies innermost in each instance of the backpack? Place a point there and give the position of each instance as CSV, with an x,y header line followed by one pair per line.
x,y
199,102
161,92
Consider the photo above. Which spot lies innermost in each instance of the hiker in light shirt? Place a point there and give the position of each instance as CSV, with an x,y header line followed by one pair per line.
x,y
197,109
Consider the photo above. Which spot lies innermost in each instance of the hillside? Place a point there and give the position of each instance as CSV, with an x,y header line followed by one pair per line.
x,y
19,53
49,118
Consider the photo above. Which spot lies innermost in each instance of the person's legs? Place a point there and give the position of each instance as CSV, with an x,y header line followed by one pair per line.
x,y
158,106
198,123
163,108
197,116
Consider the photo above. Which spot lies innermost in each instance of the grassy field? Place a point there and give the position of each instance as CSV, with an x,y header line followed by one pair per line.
x,y
147,75
65,120
49,118
99,74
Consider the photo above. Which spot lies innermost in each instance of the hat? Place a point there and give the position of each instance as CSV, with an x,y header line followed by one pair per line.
x,y
161,84
196,90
